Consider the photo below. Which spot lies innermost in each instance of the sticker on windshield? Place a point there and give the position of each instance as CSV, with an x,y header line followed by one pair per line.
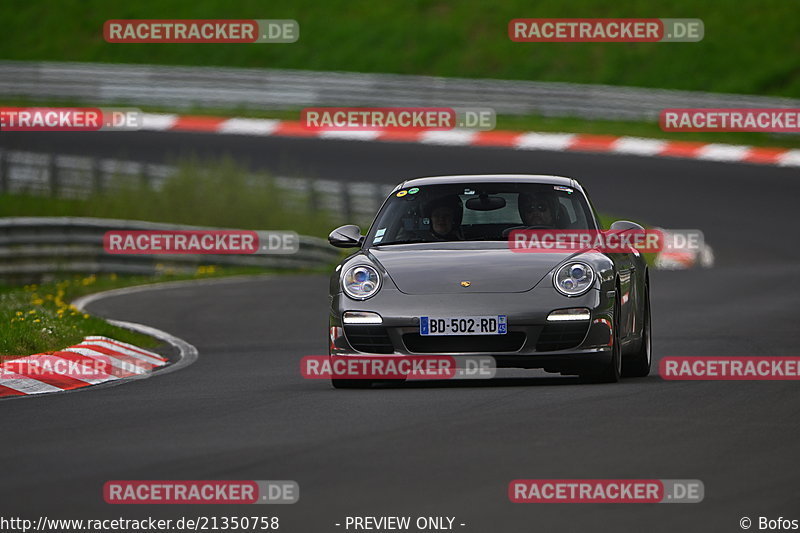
x,y
379,236
560,188
413,190
401,194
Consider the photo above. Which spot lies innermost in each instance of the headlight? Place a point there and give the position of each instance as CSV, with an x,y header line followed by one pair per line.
x,y
361,282
573,278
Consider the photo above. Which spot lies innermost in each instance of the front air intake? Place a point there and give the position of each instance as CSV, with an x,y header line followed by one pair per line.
x,y
368,339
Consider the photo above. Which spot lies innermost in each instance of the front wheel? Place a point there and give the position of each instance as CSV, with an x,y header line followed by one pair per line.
x,y
638,364
611,371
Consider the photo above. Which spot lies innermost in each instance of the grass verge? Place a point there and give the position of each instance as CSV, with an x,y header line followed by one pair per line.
x,y
38,318
749,47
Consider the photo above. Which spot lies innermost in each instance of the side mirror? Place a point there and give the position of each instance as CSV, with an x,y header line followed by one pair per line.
x,y
348,236
625,225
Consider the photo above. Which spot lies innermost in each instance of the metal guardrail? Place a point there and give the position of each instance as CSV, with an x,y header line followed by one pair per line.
x,y
68,176
33,248
184,87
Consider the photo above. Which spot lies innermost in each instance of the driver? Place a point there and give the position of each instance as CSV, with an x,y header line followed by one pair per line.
x,y
446,213
537,210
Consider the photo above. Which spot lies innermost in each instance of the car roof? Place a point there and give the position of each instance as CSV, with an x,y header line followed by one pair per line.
x,y
491,178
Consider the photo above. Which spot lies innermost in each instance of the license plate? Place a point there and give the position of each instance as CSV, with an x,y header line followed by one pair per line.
x,y
463,325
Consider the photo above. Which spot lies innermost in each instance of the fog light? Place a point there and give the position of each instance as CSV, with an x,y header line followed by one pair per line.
x,y
567,315
361,317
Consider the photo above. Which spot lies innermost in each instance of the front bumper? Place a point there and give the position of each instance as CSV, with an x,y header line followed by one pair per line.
x,y
531,341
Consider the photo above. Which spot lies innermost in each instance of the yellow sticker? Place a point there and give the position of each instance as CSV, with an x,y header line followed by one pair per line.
x,y
402,193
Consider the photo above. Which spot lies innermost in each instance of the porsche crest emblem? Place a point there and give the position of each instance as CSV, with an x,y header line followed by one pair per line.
x,y
466,283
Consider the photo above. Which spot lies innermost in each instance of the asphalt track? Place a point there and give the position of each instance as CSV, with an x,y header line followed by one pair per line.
x,y
243,411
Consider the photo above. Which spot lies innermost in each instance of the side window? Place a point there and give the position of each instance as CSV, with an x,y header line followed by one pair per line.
x,y
572,209
565,206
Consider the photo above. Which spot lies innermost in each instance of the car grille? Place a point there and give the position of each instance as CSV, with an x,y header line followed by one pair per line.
x,y
510,342
369,339
561,336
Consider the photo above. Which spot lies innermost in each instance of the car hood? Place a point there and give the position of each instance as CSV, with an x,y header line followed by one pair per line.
x,y
442,271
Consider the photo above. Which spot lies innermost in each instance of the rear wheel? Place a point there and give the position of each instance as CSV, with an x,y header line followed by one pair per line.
x,y
638,364
609,372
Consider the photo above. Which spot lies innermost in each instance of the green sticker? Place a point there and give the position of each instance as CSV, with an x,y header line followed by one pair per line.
x,y
413,190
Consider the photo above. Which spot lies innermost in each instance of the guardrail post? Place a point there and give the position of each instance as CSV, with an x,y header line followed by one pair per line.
x,y
313,196
97,177
348,203
5,180
52,175
144,176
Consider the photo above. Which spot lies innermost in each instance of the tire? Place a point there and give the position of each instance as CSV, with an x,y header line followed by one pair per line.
x,y
611,371
638,365
351,383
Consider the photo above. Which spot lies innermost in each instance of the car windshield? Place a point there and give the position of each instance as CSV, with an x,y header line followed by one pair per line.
x,y
477,212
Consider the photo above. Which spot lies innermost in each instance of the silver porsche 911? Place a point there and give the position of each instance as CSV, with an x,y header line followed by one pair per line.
x,y
435,275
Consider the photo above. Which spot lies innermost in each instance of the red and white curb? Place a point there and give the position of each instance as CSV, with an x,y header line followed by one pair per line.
x,y
508,139
109,360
